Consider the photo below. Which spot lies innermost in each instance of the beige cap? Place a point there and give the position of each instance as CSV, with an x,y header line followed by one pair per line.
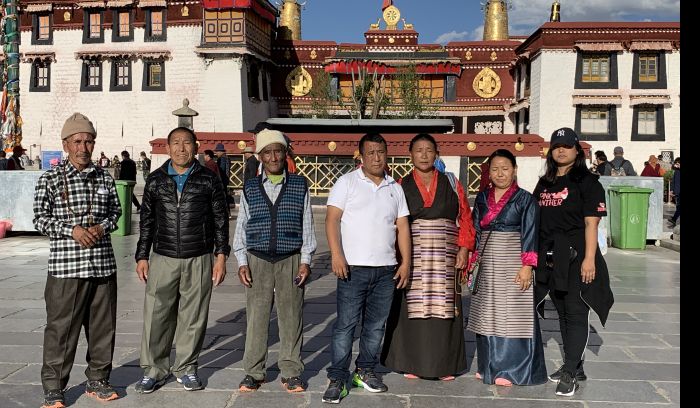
x,y
267,137
77,123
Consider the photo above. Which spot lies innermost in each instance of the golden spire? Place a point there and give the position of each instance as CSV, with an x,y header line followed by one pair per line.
x,y
496,20
555,15
290,21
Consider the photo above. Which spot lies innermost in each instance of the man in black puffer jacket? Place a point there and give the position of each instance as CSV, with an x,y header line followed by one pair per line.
x,y
184,216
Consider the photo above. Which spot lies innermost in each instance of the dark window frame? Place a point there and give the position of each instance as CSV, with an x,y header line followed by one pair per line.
x,y
265,91
116,25
253,81
660,135
85,77
450,92
33,82
114,81
661,82
612,125
148,35
35,29
86,27
612,72
146,73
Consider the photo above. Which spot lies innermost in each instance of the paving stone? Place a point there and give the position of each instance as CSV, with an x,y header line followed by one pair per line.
x,y
461,402
670,390
633,371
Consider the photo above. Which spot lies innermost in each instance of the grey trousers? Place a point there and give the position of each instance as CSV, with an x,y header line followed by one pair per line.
x,y
176,306
273,281
72,303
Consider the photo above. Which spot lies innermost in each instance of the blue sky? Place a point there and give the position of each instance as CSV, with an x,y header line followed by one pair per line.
x,y
441,21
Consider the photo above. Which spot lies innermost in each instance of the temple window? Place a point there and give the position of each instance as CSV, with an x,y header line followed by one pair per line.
x,y
596,68
122,28
121,75
92,76
93,32
596,122
154,75
155,25
40,80
648,123
649,70
42,30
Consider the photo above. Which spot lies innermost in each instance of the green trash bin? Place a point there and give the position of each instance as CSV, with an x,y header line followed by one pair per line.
x,y
125,189
629,208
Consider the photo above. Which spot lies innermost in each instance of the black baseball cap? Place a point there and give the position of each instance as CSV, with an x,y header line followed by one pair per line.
x,y
564,136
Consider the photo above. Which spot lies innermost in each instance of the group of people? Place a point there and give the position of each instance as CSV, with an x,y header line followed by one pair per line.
x,y
398,250
19,159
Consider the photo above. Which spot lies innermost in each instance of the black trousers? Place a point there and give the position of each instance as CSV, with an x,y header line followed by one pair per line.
x,y
72,303
573,321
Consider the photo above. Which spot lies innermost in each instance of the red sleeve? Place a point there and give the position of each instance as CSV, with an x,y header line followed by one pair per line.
x,y
466,226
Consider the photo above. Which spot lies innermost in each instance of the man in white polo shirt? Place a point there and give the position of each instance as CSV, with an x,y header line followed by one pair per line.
x,y
366,208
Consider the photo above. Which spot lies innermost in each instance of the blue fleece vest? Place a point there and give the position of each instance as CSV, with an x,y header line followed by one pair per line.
x,y
275,230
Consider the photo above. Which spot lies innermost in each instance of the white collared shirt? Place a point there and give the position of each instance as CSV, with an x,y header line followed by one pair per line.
x,y
368,223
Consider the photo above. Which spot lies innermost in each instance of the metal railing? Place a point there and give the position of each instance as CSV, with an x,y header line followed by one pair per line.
x,y
323,171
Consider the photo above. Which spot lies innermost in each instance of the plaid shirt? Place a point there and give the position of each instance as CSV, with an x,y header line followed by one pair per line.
x,y
65,197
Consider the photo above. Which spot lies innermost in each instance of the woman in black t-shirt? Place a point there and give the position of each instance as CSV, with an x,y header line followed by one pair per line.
x,y
570,266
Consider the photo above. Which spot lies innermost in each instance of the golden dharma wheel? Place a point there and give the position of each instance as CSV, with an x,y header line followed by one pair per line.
x,y
241,144
520,146
332,146
471,146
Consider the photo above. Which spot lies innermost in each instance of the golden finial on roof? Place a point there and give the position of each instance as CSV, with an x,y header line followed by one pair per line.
x,y
290,20
555,15
496,20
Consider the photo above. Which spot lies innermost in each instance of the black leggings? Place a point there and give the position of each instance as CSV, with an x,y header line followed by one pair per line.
x,y
573,322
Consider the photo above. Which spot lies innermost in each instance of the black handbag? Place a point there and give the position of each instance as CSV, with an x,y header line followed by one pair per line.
x,y
475,270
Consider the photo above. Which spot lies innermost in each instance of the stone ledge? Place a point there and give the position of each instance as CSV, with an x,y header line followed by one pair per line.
x,y
671,244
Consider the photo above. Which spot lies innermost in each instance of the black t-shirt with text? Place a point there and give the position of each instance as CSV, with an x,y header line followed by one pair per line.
x,y
564,205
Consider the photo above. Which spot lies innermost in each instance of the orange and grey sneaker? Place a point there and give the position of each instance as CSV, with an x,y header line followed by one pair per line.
x,y
293,384
101,390
53,399
249,384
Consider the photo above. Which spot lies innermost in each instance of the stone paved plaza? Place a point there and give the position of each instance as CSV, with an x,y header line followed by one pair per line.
x,y
633,362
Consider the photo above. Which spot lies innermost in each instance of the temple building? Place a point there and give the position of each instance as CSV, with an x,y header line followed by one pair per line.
x,y
243,64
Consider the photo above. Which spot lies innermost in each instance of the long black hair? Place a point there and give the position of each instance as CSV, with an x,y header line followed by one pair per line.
x,y
578,171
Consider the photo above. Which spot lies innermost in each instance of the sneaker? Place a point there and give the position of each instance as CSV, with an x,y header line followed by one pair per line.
x,y
53,399
580,375
567,385
149,384
101,390
367,379
293,384
191,382
249,384
335,392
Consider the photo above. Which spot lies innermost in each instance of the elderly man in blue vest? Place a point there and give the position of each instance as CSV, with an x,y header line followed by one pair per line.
x,y
273,243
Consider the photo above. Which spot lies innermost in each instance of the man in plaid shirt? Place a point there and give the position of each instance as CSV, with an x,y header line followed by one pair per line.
x,y
76,206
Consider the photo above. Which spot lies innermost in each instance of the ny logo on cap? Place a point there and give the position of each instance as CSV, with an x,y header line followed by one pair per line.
x,y
561,132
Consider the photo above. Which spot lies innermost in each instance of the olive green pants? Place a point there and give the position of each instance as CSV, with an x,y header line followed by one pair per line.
x,y
176,306
273,281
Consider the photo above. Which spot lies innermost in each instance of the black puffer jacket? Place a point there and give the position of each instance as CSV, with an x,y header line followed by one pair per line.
x,y
195,226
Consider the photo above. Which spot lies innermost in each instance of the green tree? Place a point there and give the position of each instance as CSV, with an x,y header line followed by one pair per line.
x,y
323,98
410,101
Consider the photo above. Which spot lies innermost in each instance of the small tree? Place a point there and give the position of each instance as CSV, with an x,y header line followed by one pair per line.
x,y
367,90
323,98
412,101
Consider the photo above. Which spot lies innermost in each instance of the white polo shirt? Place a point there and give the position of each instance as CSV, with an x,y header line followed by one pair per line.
x,y
368,223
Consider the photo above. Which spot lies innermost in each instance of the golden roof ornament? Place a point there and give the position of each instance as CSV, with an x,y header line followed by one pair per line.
x,y
299,82
496,20
555,15
487,83
290,20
